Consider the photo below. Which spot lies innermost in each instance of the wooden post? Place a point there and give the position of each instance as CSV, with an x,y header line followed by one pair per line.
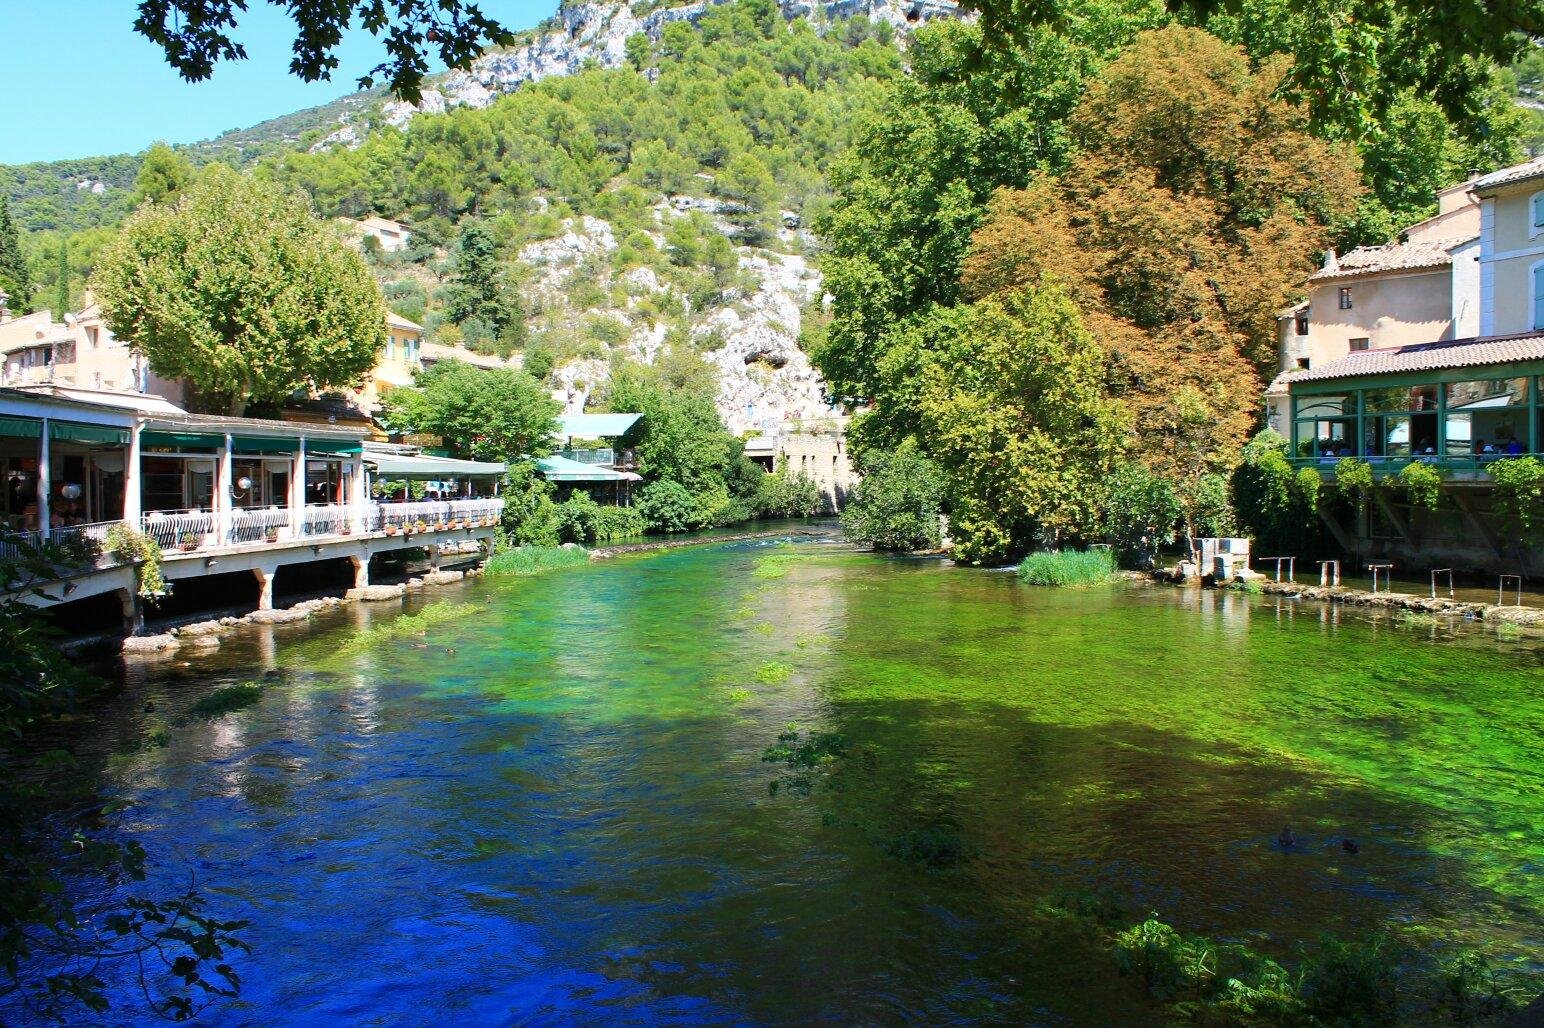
x,y
1441,571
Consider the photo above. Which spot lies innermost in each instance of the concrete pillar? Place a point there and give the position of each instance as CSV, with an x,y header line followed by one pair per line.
x,y
297,489
434,555
45,480
265,587
133,502
133,613
358,495
361,570
223,484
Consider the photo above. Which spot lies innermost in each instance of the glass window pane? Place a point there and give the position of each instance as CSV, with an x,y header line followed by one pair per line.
x,y
1496,392
1325,406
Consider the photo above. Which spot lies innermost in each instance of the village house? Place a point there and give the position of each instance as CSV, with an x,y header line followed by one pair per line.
x,y
590,459
1467,395
393,236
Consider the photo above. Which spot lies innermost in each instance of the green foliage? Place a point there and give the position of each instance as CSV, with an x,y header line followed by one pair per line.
x,y
416,624
240,290
479,300
1354,481
15,280
164,174
1473,988
1009,402
529,517
897,502
669,507
1519,483
1276,505
1353,982
482,413
535,560
1140,512
1068,567
1207,507
1422,484
807,758
578,518
138,548
615,524
787,494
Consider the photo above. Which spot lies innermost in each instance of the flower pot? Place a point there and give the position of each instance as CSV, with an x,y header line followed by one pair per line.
x,y
271,537
188,547
391,529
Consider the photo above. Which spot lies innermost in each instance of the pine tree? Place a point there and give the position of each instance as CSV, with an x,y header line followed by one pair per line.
x,y
62,280
163,176
14,278
477,299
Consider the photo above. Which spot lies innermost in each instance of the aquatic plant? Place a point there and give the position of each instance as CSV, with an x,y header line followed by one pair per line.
x,y
1352,982
774,565
1068,567
223,701
1473,989
935,845
534,560
806,757
773,671
406,625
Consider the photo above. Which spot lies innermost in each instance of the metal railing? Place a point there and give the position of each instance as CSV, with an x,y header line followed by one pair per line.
x,y
14,544
174,529
326,519
1384,466
431,513
605,455
250,525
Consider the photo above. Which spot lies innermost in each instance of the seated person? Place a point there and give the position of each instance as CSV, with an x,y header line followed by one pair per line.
x,y
1514,447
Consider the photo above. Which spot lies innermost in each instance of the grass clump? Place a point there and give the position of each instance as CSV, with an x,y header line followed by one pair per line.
x,y
223,701
534,560
774,566
1068,567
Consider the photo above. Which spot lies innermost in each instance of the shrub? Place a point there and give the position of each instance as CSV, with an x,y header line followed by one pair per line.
x,y
1274,504
1422,484
137,547
896,504
1352,982
669,507
1140,511
1068,567
787,494
614,523
578,518
529,517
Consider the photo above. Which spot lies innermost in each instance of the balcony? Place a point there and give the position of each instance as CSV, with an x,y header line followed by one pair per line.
x,y
190,531
1458,468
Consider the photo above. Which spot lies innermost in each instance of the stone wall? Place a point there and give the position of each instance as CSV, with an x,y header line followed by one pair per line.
x,y
824,457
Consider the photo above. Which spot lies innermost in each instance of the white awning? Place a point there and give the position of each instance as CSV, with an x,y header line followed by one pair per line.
x,y
418,465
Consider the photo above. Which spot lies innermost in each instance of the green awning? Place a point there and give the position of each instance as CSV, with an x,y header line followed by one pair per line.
x,y
21,428
250,444
75,432
181,440
345,449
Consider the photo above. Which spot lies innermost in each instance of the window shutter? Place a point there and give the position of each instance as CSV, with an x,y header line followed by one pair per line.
x,y
1538,297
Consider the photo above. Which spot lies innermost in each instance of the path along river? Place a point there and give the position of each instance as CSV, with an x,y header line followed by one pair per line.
x,y
553,807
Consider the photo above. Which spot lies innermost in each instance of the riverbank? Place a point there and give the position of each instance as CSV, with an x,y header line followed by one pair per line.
x,y
607,552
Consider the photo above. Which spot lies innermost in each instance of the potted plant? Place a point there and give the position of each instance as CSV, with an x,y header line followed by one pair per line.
x,y
390,529
187,542
272,535
420,526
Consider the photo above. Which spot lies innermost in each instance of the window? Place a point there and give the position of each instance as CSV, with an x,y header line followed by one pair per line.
x,y
1300,323
1302,364
1487,417
1360,344
1345,298
1536,214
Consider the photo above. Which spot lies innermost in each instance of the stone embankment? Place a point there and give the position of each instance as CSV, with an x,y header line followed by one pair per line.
x,y
605,552
206,635
1489,612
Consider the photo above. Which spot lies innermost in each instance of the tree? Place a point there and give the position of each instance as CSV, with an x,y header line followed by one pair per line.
x,y
1009,403
499,414
1355,55
1197,205
1140,511
15,280
198,34
61,303
897,503
163,176
479,296
239,289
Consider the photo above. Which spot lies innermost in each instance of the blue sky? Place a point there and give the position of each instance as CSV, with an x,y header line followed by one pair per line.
x,y
76,80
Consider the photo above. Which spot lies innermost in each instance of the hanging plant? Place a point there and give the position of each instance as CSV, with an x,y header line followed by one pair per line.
x,y
1353,478
143,551
1520,493
1422,484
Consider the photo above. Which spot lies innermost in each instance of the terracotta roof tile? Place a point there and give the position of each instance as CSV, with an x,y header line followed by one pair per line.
x,y
1456,353
1409,256
1516,173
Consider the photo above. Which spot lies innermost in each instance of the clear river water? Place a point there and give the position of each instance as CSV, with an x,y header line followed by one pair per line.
x,y
553,807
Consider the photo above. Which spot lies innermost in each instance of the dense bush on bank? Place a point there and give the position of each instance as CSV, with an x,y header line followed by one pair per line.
x,y
534,560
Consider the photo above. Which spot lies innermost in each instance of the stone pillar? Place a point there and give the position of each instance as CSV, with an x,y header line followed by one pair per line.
x,y
265,587
223,484
133,501
297,490
45,480
361,570
359,496
133,614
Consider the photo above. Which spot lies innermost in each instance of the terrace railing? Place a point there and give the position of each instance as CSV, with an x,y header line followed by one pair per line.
x,y
173,529
251,525
326,519
14,544
1383,466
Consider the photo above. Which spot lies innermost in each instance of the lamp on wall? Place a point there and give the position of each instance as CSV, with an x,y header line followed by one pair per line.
x,y
70,491
241,487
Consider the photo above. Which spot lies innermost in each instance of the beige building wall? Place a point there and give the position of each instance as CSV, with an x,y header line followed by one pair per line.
x,y
1389,309
824,457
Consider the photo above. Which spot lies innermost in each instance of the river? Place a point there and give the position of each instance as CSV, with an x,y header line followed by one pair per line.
x,y
553,807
